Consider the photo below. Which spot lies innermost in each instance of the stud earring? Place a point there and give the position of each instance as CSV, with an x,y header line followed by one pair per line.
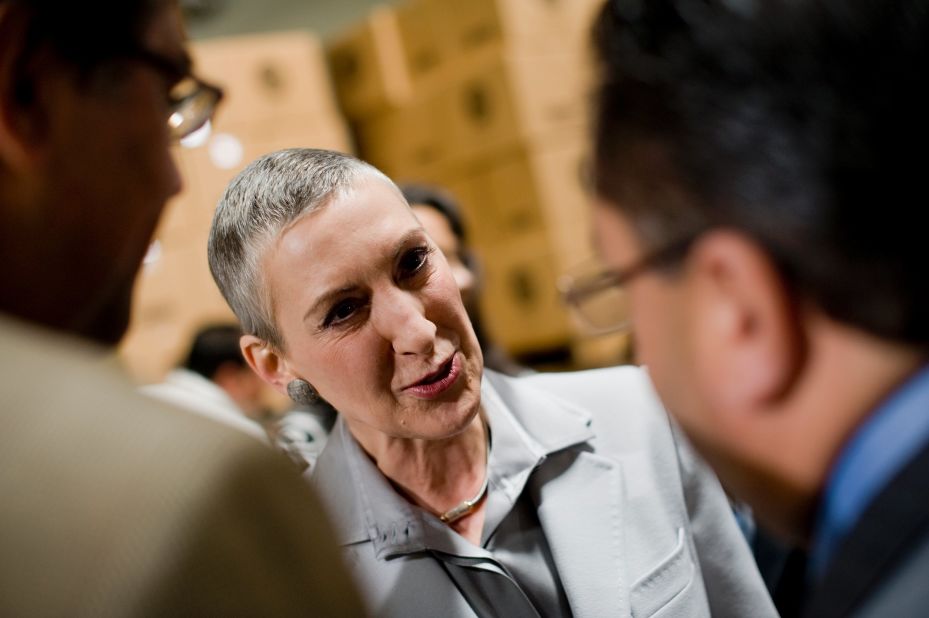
x,y
302,392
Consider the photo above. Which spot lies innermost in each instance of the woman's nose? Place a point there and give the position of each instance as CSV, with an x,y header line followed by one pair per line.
x,y
401,319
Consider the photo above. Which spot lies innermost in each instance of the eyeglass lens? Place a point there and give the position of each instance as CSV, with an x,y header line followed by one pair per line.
x,y
193,104
603,310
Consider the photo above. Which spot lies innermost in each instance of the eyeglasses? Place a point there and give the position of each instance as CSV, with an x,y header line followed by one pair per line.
x,y
600,300
192,101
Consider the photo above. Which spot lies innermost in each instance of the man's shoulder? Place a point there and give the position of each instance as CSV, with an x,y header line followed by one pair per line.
x,y
60,390
883,563
903,591
69,413
896,587
107,492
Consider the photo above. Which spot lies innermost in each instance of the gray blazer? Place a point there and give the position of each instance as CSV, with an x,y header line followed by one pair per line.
x,y
636,524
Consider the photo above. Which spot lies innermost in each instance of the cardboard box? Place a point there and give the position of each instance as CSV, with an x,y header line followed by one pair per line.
x,y
519,300
424,32
150,350
497,100
175,222
470,192
308,131
267,77
533,188
176,283
528,25
551,179
603,351
173,292
163,279
409,142
368,65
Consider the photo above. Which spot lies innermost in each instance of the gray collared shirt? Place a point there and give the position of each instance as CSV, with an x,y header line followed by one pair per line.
x,y
512,573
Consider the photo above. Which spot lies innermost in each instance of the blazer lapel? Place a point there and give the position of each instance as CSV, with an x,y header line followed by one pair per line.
x,y
579,496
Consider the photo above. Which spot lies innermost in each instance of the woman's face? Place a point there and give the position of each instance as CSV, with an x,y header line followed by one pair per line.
x,y
371,316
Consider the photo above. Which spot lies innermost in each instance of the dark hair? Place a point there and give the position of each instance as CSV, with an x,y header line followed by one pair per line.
x,y
800,123
86,34
212,347
439,199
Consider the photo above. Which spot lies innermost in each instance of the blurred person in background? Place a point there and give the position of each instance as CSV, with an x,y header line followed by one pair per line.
x,y
440,216
214,380
458,490
114,505
760,167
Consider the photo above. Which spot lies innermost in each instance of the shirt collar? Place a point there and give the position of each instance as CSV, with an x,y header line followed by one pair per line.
x,y
526,426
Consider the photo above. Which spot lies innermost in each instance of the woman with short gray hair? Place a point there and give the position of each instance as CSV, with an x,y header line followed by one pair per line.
x,y
457,491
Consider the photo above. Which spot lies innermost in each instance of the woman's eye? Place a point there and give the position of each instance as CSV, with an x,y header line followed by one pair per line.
x,y
413,262
342,311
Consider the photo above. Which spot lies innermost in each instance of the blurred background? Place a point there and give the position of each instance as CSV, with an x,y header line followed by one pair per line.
x,y
487,98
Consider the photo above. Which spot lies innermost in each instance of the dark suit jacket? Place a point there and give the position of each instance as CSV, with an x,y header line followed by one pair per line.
x,y
882,567
114,505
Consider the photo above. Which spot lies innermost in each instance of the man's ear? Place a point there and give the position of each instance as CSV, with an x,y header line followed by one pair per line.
x,y
266,362
745,327
20,114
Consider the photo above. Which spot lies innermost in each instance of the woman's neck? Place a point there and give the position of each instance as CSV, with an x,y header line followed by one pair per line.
x,y
436,475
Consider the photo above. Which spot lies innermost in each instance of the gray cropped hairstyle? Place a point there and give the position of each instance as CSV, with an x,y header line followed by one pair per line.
x,y
264,200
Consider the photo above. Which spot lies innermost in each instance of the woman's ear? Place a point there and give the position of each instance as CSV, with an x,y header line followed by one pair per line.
x,y
266,362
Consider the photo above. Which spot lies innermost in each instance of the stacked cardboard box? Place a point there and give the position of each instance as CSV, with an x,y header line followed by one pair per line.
x,y
493,103
278,94
368,66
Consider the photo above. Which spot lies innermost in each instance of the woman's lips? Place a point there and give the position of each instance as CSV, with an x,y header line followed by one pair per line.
x,y
437,383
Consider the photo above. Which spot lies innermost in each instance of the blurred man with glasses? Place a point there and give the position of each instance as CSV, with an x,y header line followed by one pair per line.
x,y
760,171
113,505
